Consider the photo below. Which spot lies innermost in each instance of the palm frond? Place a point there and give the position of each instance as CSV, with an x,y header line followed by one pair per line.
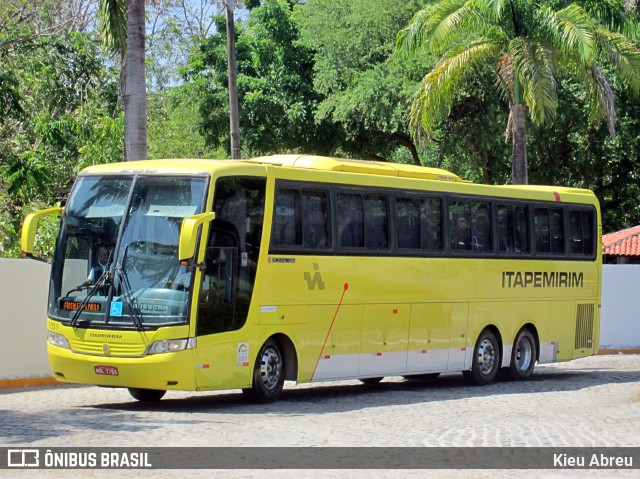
x,y
496,8
437,92
414,36
435,26
534,67
601,98
624,54
504,77
572,30
112,16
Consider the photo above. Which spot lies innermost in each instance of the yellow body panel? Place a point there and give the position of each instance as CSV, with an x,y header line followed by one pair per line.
x,y
342,313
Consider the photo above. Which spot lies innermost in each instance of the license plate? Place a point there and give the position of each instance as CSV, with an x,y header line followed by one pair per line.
x,y
106,370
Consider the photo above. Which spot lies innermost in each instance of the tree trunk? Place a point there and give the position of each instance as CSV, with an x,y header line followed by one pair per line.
x,y
234,113
135,87
519,167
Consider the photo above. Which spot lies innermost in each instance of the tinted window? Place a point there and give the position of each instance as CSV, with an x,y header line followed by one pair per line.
x,y
350,220
287,227
581,233
315,219
419,223
549,230
470,226
375,222
513,229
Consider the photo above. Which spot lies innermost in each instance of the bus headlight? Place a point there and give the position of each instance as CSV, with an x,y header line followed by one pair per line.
x,y
57,340
171,345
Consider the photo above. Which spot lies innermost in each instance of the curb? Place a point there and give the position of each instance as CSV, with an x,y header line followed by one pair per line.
x,y
29,382
619,351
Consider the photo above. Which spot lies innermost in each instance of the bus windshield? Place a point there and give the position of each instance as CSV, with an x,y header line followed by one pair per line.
x,y
116,260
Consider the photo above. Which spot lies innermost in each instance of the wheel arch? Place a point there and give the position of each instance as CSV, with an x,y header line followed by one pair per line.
x,y
289,354
496,331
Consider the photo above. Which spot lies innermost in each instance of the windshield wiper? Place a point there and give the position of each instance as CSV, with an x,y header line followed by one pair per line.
x,y
102,281
126,290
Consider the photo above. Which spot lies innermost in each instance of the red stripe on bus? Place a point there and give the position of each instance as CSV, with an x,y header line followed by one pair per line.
x,y
335,315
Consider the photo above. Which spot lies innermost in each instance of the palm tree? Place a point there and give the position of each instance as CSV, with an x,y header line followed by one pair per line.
x,y
528,43
122,24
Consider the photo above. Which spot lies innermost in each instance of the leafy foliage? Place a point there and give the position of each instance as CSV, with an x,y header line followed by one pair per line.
x,y
531,44
62,115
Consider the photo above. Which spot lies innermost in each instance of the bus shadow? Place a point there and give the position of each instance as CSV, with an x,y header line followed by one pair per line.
x,y
223,407
352,395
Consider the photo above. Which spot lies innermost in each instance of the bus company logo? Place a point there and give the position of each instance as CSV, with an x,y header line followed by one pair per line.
x,y
314,280
106,349
23,458
542,279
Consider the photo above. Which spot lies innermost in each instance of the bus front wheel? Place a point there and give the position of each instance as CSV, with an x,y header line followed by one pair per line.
x,y
147,395
268,374
486,359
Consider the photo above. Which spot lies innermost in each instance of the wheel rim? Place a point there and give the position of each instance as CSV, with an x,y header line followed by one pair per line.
x,y
270,368
486,356
524,353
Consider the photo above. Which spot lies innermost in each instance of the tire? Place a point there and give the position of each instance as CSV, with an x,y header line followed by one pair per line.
x,y
523,356
370,381
268,374
486,359
147,395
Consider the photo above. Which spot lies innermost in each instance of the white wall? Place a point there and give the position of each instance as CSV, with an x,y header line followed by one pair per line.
x,y
24,286
620,315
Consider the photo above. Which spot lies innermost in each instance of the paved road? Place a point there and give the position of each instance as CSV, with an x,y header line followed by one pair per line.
x,y
588,402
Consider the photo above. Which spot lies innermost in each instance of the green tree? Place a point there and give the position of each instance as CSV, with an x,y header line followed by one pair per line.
x,y
62,114
366,88
275,91
529,44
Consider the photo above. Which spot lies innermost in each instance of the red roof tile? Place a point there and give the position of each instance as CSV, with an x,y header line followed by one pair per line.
x,y
622,243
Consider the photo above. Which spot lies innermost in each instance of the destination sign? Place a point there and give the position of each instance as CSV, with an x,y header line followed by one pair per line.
x,y
75,305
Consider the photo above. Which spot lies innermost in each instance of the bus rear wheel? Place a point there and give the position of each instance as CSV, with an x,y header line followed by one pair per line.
x,y
147,395
268,374
523,356
486,359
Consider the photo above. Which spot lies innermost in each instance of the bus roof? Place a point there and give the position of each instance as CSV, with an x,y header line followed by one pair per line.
x,y
358,166
326,164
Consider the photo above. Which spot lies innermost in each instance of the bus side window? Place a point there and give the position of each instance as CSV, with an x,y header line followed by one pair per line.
x,y
431,221
350,220
513,229
542,230
408,223
459,225
581,233
376,231
557,230
315,228
481,227
286,229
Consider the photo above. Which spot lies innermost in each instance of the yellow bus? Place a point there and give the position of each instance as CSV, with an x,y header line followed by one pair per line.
x,y
206,275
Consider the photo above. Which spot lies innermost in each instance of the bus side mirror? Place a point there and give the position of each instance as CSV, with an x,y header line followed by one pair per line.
x,y
30,228
189,234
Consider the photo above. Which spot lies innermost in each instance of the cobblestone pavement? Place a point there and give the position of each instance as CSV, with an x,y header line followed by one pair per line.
x,y
591,402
